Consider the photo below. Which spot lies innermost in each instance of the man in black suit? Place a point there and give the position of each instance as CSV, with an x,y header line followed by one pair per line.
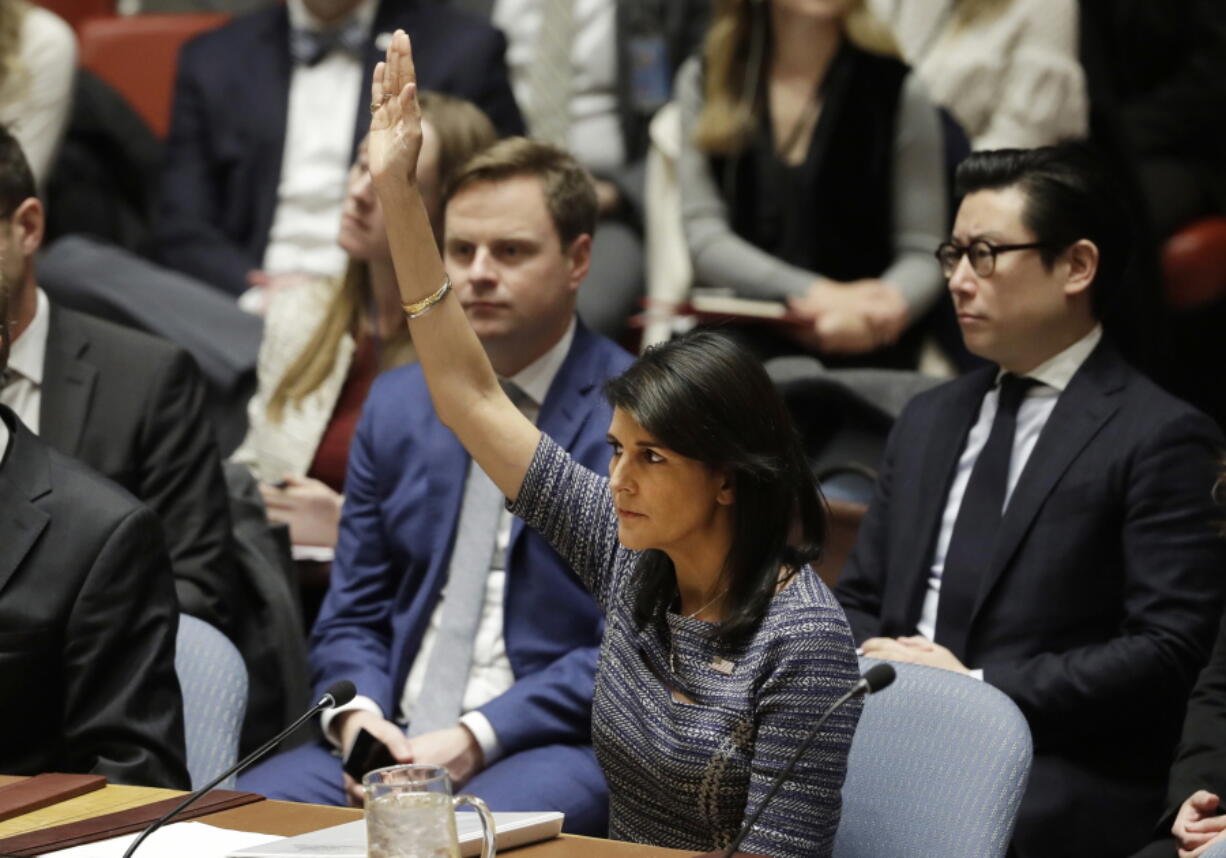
x,y
1093,598
128,405
268,112
87,620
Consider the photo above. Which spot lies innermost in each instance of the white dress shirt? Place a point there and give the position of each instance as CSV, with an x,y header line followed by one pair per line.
x,y
323,105
4,441
490,674
1053,376
26,360
595,133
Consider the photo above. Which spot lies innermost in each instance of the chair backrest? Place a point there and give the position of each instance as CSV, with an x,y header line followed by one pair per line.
x,y
937,767
214,684
1194,264
138,55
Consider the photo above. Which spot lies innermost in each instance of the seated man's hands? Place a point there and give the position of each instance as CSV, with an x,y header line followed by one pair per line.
x,y
915,649
1197,826
453,748
309,507
347,725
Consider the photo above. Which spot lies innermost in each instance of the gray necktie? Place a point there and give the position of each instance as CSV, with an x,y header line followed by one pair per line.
x,y
549,74
440,702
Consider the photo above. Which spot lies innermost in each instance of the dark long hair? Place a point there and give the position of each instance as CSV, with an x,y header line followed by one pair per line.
x,y
707,398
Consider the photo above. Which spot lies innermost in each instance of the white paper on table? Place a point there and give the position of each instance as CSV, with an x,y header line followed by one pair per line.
x,y
180,839
348,840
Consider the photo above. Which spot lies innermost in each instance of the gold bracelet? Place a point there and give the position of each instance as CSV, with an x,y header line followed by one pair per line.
x,y
425,305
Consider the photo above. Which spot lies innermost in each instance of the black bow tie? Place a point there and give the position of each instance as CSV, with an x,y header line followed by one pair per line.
x,y
308,47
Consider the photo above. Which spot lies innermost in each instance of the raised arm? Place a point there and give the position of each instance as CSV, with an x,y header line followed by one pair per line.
x,y
462,383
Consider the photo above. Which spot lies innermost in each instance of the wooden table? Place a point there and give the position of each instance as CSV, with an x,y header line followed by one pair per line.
x,y
286,819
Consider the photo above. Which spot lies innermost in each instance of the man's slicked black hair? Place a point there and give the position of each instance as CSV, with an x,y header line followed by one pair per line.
x,y
1071,194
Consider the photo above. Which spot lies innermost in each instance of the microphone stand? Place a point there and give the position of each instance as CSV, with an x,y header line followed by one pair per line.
x,y
876,678
327,701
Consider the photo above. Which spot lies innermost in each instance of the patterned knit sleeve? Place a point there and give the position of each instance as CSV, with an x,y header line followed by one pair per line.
x,y
571,508
815,666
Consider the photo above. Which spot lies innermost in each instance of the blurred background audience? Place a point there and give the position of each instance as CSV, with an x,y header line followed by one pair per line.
x,y
258,150
1007,70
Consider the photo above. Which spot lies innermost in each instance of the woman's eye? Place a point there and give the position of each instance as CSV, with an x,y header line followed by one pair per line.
x,y
652,456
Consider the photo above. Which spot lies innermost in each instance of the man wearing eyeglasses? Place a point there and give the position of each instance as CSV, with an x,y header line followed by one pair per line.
x,y
1046,524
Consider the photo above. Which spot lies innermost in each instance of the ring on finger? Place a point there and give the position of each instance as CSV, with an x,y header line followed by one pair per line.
x,y
375,105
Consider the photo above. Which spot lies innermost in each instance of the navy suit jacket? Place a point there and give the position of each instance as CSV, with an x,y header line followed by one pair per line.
x,y
1100,603
227,132
403,494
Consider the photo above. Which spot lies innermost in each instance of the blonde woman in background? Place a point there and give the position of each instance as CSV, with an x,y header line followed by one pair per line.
x,y
812,172
38,59
1007,70
324,341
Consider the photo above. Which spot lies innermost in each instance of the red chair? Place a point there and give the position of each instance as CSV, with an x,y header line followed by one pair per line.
x,y
1194,264
138,55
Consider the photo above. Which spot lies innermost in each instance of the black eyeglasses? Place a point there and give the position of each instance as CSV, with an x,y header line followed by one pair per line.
x,y
981,254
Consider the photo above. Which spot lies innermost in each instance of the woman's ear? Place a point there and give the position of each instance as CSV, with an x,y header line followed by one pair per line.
x,y
726,495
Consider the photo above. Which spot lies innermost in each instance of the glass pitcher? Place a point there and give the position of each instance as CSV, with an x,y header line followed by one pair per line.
x,y
410,813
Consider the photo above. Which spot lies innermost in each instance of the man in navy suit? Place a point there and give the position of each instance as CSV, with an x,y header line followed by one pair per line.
x,y
1046,524
268,111
517,244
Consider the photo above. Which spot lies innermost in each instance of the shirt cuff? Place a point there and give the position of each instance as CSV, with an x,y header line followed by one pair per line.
x,y
483,732
357,704
976,674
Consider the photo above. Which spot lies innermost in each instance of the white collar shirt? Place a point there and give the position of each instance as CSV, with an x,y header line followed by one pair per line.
x,y
27,358
319,127
1053,376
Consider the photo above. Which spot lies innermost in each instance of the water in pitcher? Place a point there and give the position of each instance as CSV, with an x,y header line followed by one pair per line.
x,y
411,825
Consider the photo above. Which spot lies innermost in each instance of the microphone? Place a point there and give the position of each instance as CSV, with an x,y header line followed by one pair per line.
x,y
876,678
338,694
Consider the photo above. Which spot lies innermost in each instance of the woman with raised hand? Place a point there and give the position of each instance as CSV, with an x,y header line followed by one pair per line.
x,y
721,644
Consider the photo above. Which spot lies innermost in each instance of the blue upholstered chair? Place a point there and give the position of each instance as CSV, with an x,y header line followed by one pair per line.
x,y
937,768
214,683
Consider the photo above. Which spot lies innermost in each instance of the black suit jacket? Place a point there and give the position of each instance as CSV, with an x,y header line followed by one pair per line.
x,y
227,133
87,625
1101,601
131,406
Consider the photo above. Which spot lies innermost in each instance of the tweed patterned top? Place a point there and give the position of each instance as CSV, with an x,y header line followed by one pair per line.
x,y
686,775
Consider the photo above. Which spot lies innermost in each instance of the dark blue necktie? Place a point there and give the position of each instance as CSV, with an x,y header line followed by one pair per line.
x,y
974,538
308,47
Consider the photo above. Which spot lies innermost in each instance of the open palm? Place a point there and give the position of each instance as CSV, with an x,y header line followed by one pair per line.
x,y
395,125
